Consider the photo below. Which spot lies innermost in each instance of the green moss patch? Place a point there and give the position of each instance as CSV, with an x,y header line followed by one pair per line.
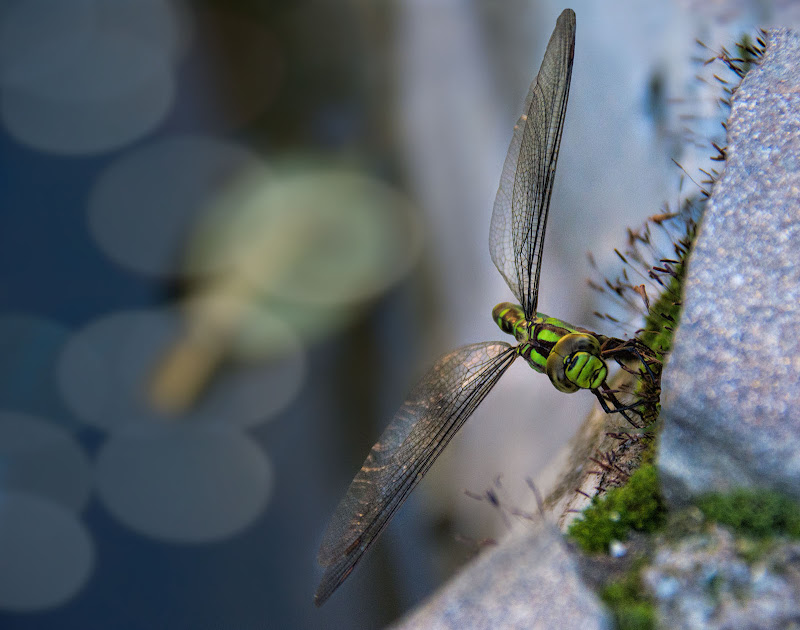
x,y
753,512
636,506
630,608
663,317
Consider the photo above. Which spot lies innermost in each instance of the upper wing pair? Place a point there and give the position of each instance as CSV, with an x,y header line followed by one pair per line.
x,y
519,217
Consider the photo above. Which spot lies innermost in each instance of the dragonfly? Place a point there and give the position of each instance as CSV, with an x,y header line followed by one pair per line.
x,y
574,358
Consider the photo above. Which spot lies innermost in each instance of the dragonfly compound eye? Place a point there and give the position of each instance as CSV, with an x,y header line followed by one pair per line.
x,y
574,363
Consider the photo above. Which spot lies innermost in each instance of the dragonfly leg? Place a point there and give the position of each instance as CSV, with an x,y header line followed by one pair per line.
x,y
635,351
632,347
618,407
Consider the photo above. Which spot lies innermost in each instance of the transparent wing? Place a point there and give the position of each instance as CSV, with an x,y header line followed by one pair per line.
x,y
519,217
435,410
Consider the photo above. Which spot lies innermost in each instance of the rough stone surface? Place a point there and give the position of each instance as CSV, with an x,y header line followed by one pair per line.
x,y
530,581
703,584
731,389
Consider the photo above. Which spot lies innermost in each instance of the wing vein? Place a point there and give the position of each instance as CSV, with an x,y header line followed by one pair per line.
x,y
519,216
434,412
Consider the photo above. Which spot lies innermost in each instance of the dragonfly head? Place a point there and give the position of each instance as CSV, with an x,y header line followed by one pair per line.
x,y
575,363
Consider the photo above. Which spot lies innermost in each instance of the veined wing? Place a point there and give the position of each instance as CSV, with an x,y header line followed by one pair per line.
x,y
519,217
435,410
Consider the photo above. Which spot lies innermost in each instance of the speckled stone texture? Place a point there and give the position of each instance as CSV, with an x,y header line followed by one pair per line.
x,y
702,583
529,582
731,389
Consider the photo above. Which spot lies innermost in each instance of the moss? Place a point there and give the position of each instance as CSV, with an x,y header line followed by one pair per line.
x,y
758,514
663,316
630,607
649,453
752,550
638,506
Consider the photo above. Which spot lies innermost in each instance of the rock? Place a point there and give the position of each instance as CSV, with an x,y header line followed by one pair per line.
x,y
731,388
529,582
702,582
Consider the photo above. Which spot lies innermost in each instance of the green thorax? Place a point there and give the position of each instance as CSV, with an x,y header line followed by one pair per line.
x,y
536,336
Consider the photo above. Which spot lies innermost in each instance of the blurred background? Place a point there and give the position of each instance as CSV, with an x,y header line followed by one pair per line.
x,y
232,236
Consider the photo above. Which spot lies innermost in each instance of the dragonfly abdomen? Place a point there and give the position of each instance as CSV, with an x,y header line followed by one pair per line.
x,y
511,320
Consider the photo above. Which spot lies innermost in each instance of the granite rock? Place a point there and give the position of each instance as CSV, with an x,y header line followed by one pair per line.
x,y
531,581
703,583
731,388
